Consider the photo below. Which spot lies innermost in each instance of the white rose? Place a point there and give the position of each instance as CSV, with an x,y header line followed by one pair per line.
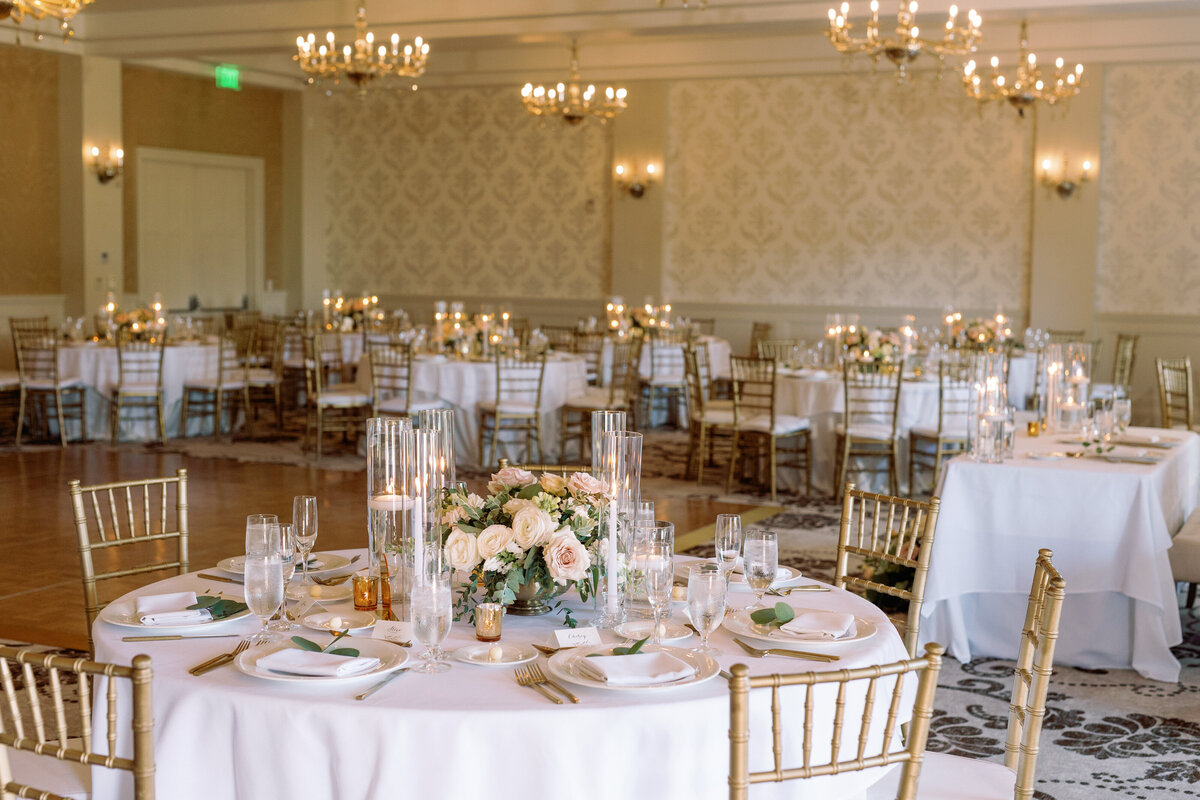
x,y
566,558
461,550
454,515
517,504
474,500
583,483
554,484
510,477
494,539
531,527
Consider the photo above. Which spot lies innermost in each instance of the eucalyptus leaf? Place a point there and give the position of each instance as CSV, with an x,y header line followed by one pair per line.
x,y
204,601
336,638
305,644
784,613
781,614
529,492
345,651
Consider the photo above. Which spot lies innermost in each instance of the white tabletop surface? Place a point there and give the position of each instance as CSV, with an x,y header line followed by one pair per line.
x,y
1109,525
469,732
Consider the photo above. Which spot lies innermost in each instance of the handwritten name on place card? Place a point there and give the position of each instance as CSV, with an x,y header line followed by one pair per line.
x,y
392,631
577,637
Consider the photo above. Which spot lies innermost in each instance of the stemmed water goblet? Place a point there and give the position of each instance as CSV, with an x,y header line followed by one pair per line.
x,y
728,541
304,528
706,603
651,563
431,611
287,557
761,562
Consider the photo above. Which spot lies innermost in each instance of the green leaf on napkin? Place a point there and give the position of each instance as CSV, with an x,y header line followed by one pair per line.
x,y
307,644
625,651
218,607
345,651
780,615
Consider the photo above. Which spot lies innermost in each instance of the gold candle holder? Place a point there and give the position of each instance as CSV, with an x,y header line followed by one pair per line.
x,y
488,619
1033,428
366,591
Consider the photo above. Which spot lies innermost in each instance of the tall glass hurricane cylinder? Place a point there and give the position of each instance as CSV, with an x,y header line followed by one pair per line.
x,y
442,421
621,470
390,505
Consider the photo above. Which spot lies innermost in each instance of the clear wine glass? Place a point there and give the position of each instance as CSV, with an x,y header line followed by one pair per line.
x,y
728,541
706,603
653,562
264,589
259,534
304,525
761,562
1122,414
431,618
287,558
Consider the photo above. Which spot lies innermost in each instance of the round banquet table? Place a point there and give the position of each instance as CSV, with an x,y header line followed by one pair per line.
x,y
818,395
471,731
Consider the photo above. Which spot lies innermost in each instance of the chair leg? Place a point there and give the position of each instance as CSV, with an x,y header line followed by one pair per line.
x,y
320,432
562,438
114,418
1191,598
700,454
20,415
841,463
773,468
807,464
733,457
894,468
62,423
162,425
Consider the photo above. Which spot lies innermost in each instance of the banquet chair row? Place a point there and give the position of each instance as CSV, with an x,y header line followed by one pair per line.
x,y
520,377
768,433
44,394
576,423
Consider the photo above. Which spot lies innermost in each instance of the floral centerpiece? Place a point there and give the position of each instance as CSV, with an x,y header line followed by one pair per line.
x,y
528,541
979,334
873,345
136,319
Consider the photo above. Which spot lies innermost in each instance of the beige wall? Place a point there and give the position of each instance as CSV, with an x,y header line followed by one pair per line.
x,y
181,112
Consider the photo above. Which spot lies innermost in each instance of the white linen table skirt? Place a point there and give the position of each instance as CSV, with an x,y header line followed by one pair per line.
x,y
472,731
1109,525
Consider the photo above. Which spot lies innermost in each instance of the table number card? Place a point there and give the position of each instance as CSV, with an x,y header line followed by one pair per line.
x,y
392,631
577,637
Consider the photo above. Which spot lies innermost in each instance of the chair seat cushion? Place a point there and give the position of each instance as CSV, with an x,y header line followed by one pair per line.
x,y
65,778
344,397
260,376
1185,551
949,432
718,416
46,383
510,407
136,388
597,397
666,379
724,404
9,380
400,405
946,777
784,423
210,385
878,431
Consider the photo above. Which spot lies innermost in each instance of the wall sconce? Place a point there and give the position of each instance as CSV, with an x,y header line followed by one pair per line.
x,y
108,166
1063,184
634,182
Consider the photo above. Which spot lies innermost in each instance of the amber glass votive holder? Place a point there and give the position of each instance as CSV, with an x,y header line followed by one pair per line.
x,y
366,591
1033,427
488,620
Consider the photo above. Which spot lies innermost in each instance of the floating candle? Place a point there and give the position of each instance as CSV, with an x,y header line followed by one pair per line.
x,y
389,502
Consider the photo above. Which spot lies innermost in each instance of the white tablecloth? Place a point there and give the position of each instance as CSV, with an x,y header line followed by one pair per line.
x,y
469,732
822,401
96,366
1109,526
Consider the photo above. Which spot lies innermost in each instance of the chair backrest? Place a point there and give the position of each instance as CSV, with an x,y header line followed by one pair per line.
x,y
1175,391
705,326
520,329
560,337
391,366
839,746
1035,663
139,362
1063,336
758,332
753,388
23,325
954,398
243,319
37,356
872,393
589,345
778,349
233,350
131,515
519,375
892,538
555,469
268,342
696,397
22,671
1123,360
664,354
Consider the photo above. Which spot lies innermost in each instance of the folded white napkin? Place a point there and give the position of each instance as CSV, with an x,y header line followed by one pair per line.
x,y
819,625
639,669
169,609
815,374
306,662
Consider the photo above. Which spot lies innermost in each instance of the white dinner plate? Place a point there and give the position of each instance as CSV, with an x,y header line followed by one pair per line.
x,y
739,624
737,580
322,594
1046,456
563,665
329,562
391,658
355,621
480,654
640,629
124,613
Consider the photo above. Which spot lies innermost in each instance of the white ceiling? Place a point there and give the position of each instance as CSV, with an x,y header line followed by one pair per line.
x,y
511,41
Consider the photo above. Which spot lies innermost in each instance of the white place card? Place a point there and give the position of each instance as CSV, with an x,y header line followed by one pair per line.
x,y
577,637
302,607
392,631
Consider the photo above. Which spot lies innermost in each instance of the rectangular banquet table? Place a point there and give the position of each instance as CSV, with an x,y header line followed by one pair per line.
x,y
1109,525
472,731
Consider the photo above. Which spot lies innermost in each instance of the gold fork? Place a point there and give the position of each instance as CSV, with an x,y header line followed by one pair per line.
x,y
223,658
336,580
525,679
535,671
774,651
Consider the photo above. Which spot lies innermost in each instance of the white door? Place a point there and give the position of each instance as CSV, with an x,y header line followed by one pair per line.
x,y
200,227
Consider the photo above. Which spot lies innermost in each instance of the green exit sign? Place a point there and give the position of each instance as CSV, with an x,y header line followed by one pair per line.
x,y
229,77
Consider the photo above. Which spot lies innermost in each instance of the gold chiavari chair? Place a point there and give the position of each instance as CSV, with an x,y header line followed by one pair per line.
x,y
264,370
331,409
705,326
41,386
759,331
577,410
929,446
888,537
706,423
239,320
292,364
139,382
590,347
521,329
392,393
224,392
518,404
1123,360
559,337
1185,556
661,371
756,421
943,776
19,326
827,695
1175,391
38,763
130,516
781,350
708,383
869,423
554,469
1064,336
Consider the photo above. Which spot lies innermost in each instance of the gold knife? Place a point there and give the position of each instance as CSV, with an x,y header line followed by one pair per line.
x,y
221,578
178,636
560,688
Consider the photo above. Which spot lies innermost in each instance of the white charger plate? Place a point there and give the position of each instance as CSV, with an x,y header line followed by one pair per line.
x,y
510,654
739,624
737,580
330,562
640,629
391,658
354,620
324,594
124,613
562,665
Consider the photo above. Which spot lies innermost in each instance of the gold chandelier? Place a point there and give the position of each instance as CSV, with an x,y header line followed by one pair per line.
x,y
573,101
62,10
1029,86
903,47
361,62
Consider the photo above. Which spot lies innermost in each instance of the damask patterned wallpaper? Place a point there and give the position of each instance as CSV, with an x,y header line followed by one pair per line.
x,y
1149,241
841,190
459,191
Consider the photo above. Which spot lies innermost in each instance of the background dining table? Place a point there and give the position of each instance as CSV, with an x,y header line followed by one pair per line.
x,y
472,731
